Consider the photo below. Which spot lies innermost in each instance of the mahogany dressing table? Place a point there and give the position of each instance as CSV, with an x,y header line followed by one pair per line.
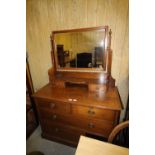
x,y
81,97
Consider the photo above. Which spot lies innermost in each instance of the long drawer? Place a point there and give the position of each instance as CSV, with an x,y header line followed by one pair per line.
x,y
91,125
62,131
97,113
53,106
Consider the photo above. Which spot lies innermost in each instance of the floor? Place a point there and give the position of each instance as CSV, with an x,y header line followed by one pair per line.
x,y
36,143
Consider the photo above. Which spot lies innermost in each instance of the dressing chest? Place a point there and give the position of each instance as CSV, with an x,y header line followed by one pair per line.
x,y
79,100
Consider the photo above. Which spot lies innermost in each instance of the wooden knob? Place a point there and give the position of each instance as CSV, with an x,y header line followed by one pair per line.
x,y
90,111
54,117
91,125
56,130
52,105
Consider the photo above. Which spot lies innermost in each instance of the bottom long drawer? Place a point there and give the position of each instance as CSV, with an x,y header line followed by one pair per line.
x,y
61,131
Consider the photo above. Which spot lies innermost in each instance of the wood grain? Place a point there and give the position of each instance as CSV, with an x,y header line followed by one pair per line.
x,y
78,109
50,94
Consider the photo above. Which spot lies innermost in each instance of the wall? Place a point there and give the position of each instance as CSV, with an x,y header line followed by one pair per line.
x,y
44,16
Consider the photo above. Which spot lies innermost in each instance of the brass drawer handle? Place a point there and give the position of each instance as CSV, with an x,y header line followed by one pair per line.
x,y
52,105
91,112
54,117
91,125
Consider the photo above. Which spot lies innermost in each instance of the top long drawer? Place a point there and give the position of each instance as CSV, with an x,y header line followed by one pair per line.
x,y
76,110
58,107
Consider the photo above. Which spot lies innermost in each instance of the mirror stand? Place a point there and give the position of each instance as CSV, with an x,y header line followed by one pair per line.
x,y
97,79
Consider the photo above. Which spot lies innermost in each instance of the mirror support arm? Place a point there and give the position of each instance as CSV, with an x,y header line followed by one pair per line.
x,y
109,53
52,53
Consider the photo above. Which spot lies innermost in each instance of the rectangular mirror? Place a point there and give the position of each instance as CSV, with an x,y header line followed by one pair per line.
x,y
81,49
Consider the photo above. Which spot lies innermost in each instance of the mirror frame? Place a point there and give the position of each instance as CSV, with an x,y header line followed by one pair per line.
x,y
71,69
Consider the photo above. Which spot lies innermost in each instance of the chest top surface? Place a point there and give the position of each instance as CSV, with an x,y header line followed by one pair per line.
x,y
109,100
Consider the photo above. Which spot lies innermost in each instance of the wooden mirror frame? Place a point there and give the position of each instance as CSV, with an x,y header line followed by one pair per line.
x,y
105,28
83,75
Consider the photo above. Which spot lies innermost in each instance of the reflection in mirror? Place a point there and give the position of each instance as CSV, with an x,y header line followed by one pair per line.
x,y
80,49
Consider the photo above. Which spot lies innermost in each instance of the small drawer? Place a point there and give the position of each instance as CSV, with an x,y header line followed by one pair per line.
x,y
97,88
97,113
61,131
53,106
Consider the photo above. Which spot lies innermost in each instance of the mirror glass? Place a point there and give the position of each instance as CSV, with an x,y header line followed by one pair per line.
x,y
84,49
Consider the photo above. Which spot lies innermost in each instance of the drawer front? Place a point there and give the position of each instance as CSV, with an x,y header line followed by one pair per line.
x,y
53,106
99,127
61,131
56,117
97,87
94,126
91,125
97,113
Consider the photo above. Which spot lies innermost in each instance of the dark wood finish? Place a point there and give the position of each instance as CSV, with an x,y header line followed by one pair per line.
x,y
78,102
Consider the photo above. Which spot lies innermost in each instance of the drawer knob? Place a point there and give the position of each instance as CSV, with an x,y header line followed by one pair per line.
x,y
91,112
52,105
56,130
91,125
54,117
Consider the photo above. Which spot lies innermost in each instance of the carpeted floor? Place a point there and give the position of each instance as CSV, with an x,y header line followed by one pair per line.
x,y
36,143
